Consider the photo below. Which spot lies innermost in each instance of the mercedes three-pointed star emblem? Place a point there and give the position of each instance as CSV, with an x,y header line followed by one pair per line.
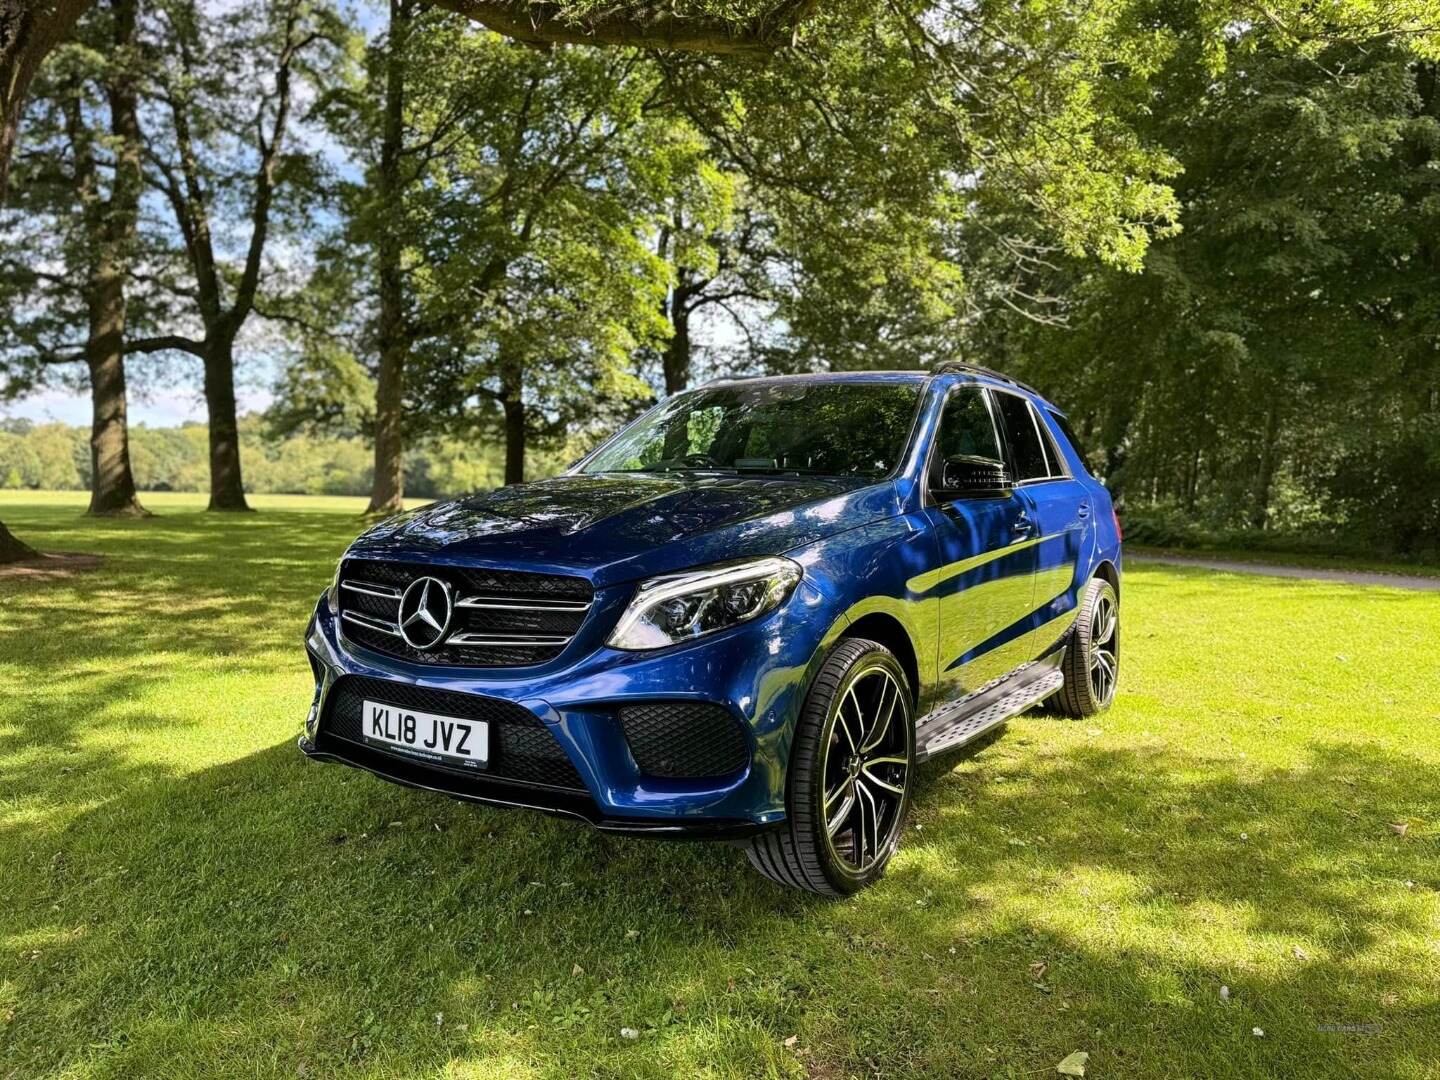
x,y
425,612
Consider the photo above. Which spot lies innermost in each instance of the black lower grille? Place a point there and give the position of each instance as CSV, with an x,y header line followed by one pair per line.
x,y
521,746
527,619
691,739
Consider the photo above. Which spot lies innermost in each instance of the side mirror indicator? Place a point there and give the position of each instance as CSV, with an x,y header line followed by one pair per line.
x,y
973,477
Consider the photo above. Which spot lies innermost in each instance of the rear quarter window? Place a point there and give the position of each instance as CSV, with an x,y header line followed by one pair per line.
x,y
1027,452
1070,437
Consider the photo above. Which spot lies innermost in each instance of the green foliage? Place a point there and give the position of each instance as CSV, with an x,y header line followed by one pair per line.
x,y
540,275
1275,365
56,457
71,213
48,456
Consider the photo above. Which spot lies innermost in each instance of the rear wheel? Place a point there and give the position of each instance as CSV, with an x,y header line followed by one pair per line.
x,y
849,783
1092,658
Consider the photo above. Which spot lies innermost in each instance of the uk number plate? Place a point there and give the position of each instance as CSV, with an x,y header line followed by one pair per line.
x,y
448,739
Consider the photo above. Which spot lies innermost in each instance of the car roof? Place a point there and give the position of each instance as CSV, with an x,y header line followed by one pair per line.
x,y
827,376
956,372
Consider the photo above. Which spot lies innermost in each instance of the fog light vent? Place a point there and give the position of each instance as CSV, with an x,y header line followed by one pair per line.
x,y
684,739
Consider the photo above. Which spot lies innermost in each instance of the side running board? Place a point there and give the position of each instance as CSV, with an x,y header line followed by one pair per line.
x,y
966,720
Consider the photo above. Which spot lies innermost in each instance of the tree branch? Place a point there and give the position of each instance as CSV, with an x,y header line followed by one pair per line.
x,y
166,343
265,173
541,23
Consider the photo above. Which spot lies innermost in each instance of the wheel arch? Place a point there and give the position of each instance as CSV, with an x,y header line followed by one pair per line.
x,y
1108,571
890,632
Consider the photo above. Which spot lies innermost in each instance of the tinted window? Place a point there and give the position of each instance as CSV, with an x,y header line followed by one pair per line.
x,y
810,428
966,428
1069,433
1027,452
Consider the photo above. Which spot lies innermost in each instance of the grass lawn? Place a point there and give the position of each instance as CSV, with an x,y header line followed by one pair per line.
x,y
183,895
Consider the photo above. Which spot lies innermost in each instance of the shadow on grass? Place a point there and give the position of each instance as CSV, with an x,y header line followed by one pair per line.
x,y
162,608
265,914
300,914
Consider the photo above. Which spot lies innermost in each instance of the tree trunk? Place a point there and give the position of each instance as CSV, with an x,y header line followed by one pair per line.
x,y
388,493
513,401
28,31
676,360
12,550
112,485
1265,474
227,492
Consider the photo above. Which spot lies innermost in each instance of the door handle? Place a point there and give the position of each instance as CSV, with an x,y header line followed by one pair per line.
x,y
1021,527
1084,510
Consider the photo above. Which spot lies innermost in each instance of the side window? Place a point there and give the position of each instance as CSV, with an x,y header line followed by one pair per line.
x,y
1027,451
1059,468
966,428
1069,432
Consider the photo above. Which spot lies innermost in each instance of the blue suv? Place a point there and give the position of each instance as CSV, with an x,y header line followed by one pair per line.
x,y
748,615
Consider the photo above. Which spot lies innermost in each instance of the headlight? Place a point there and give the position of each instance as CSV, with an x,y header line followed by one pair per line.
x,y
681,607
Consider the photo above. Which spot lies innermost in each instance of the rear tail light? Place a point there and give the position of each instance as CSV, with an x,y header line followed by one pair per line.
x,y
1119,532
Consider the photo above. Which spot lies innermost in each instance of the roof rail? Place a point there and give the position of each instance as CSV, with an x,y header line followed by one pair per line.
x,y
959,367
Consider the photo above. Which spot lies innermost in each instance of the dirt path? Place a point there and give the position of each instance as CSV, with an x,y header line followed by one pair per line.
x,y
1309,573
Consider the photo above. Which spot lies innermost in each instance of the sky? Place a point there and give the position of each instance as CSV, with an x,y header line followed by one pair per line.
x,y
157,407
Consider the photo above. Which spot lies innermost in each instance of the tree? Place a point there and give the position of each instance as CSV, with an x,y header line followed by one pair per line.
x,y
69,258
1278,357
487,168
724,271
394,325
222,93
867,147
29,30
390,125
541,277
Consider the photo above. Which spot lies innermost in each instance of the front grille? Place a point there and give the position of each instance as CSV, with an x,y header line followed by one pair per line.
x,y
521,746
502,618
690,739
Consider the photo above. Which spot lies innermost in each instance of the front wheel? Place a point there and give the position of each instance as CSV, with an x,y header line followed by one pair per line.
x,y
1092,657
849,783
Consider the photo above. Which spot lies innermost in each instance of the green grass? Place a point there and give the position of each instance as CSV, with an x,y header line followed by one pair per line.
x,y
184,896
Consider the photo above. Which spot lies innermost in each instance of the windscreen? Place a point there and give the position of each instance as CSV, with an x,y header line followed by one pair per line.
x,y
819,428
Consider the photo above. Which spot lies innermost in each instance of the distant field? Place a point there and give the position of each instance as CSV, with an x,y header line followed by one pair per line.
x,y
184,896
165,502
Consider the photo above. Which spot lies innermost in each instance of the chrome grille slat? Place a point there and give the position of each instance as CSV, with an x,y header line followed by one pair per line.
x,y
371,624
385,592
506,603
500,618
505,639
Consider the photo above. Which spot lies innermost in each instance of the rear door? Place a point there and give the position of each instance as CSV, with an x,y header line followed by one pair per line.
x,y
984,569
1060,508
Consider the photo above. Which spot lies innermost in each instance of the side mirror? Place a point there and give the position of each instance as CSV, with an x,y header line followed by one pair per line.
x,y
970,477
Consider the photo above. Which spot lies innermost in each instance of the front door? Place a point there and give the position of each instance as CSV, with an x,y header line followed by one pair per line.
x,y
985,562
1058,508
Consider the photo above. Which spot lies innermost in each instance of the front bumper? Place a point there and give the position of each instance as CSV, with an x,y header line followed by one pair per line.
x,y
399,770
758,672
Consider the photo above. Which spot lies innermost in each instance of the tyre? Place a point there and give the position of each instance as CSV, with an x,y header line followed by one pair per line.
x,y
1092,657
848,789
